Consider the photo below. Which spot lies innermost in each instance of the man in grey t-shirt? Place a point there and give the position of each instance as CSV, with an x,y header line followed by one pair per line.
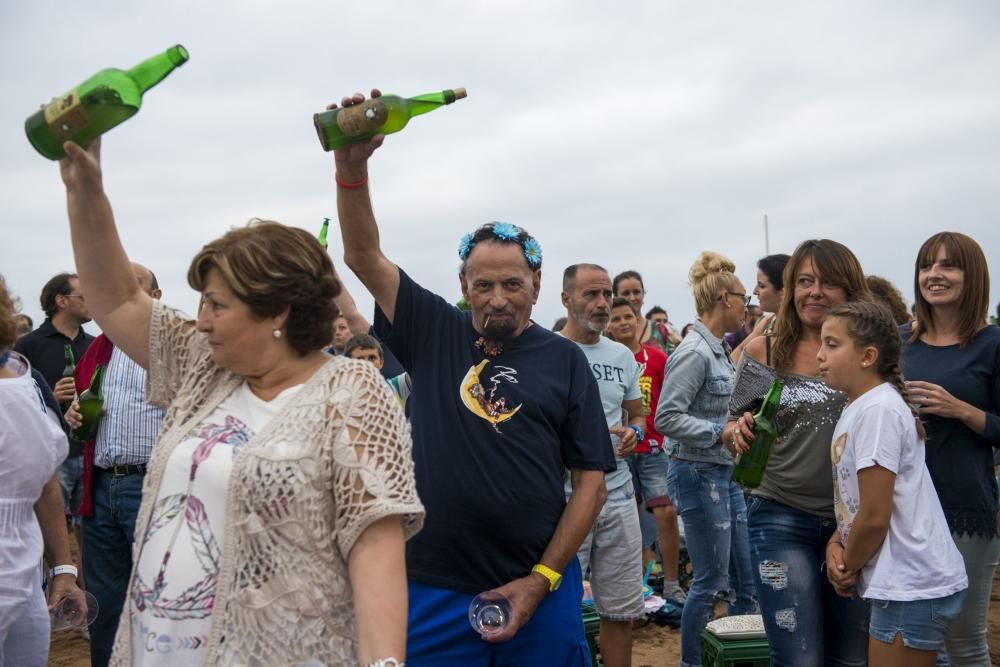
x,y
613,549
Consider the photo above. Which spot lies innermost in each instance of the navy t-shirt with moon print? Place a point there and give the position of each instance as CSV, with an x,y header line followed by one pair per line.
x,y
491,440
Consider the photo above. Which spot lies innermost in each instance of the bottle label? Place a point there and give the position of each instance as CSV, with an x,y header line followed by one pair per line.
x,y
66,116
362,118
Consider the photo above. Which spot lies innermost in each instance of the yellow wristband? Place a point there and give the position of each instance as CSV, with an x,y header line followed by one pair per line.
x,y
554,577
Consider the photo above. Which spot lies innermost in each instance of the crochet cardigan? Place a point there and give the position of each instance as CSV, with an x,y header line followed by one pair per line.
x,y
330,463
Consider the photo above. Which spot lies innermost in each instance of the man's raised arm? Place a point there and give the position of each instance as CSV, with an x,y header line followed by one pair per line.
x,y
358,228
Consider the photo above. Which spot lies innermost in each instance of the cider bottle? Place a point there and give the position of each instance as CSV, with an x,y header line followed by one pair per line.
x,y
91,404
323,232
377,115
749,469
69,368
106,99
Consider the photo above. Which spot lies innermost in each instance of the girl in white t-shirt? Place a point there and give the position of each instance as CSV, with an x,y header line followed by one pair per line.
x,y
892,546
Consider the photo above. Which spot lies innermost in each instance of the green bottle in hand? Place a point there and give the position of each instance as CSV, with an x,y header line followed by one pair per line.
x,y
91,405
323,232
377,115
106,99
749,469
69,368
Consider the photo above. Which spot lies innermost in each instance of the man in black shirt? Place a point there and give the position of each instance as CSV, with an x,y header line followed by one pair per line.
x,y
65,314
500,409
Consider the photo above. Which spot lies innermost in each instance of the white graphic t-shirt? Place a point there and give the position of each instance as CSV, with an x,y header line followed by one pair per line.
x,y
176,577
617,373
918,559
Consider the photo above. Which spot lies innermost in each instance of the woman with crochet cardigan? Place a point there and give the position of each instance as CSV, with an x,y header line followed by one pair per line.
x,y
280,493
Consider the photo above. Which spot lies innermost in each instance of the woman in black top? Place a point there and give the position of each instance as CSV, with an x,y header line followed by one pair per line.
x,y
952,364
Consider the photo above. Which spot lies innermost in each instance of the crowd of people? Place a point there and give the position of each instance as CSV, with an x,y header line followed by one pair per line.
x,y
282,480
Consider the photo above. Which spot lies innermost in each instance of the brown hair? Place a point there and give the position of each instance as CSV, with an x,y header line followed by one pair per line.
x,y
966,254
872,324
710,274
888,295
838,266
8,325
271,267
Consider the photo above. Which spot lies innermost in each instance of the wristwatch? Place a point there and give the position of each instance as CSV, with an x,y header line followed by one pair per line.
x,y
638,432
555,579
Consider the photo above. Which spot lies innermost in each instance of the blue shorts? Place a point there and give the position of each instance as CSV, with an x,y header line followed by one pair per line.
x,y
649,477
439,634
922,623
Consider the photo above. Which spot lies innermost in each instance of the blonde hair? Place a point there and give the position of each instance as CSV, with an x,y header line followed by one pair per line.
x,y
8,324
271,267
709,276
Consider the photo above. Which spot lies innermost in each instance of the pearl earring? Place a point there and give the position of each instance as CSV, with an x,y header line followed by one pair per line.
x,y
277,333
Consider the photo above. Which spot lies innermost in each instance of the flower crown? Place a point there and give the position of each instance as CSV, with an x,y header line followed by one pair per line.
x,y
507,232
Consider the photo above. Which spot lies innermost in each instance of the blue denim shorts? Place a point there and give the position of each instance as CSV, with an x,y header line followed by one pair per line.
x,y
922,623
649,477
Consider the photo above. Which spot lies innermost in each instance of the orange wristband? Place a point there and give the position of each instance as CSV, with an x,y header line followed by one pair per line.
x,y
350,186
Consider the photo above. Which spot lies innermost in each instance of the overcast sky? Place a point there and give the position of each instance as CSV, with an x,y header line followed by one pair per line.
x,y
630,134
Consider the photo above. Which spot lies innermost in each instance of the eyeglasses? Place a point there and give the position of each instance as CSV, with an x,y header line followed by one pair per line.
x,y
74,296
746,297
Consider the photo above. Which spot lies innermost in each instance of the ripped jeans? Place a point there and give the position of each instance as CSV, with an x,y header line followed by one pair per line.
x,y
807,623
712,508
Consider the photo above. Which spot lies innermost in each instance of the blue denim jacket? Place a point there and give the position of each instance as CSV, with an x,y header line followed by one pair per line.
x,y
694,400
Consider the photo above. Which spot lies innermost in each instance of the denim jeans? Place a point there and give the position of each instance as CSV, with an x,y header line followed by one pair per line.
x,y
807,623
71,485
965,640
714,514
107,554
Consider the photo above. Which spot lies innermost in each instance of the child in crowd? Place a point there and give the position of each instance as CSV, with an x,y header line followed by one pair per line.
x,y
367,348
892,546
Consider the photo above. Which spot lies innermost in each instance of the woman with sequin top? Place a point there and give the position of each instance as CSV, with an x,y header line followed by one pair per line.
x,y
952,367
790,516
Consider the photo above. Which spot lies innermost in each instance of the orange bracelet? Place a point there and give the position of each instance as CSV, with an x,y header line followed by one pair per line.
x,y
350,186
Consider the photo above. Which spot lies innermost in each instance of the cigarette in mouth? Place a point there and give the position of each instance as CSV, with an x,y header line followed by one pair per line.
x,y
487,322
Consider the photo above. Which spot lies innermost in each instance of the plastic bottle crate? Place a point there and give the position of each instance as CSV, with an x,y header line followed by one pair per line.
x,y
591,628
720,652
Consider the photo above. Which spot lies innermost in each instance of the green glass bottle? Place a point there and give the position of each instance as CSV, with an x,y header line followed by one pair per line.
x,y
69,368
378,115
91,404
106,99
323,232
749,469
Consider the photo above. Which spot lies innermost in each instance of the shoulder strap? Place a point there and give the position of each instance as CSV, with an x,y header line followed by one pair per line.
x,y
767,347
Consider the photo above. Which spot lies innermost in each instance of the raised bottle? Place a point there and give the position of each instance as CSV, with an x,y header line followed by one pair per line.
x,y
106,99
749,469
91,404
377,115
323,232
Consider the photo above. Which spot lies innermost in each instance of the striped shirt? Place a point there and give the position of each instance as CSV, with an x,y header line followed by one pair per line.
x,y
130,427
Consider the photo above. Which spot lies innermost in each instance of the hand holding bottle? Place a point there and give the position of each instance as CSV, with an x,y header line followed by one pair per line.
x,y
740,435
352,160
81,168
65,390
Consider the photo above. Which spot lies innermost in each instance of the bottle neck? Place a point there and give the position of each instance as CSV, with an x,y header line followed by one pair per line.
x,y
424,103
150,72
771,402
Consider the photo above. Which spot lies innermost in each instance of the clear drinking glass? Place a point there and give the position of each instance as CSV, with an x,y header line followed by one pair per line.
x,y
489,613
75,612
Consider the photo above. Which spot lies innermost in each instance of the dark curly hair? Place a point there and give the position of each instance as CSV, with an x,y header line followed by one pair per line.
x,y
888,295
270,267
